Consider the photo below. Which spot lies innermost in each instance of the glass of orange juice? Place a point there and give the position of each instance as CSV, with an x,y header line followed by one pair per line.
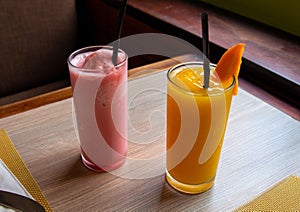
x,y
196,125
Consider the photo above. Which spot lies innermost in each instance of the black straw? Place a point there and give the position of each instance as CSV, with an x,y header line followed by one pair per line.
x,y
119,29
205,42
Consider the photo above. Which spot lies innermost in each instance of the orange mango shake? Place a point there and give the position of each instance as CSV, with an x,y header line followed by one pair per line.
x,y
196,123
197,119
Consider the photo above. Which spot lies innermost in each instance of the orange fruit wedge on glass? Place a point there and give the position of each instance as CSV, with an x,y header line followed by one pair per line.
x,y
229,65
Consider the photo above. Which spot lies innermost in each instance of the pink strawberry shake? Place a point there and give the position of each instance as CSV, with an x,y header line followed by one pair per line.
x,y
100,103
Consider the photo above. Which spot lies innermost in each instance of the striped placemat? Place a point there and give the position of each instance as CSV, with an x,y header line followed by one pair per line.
x,y
283,196
14,162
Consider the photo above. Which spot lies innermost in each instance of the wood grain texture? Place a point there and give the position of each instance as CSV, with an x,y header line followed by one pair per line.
x,y
261,147
34,102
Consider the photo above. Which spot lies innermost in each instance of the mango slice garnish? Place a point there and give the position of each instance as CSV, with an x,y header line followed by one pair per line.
x,y
230,64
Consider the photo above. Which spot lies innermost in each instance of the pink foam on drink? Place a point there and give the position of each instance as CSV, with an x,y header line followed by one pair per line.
x,y
100,101
100,60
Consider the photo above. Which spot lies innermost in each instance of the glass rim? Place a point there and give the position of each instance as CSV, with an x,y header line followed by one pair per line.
x,y
208,93
94,48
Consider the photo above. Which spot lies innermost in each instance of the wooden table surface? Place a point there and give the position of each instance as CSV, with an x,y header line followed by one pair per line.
x,y
261,147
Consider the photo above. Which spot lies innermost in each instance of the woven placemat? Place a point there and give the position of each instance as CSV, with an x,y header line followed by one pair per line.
x,y
283,196
13,161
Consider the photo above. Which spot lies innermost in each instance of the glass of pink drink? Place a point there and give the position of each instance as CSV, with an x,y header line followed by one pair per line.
x,y
100,106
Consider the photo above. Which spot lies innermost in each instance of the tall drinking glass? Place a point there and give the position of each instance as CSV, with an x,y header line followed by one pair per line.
x,y
196,125
100,106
